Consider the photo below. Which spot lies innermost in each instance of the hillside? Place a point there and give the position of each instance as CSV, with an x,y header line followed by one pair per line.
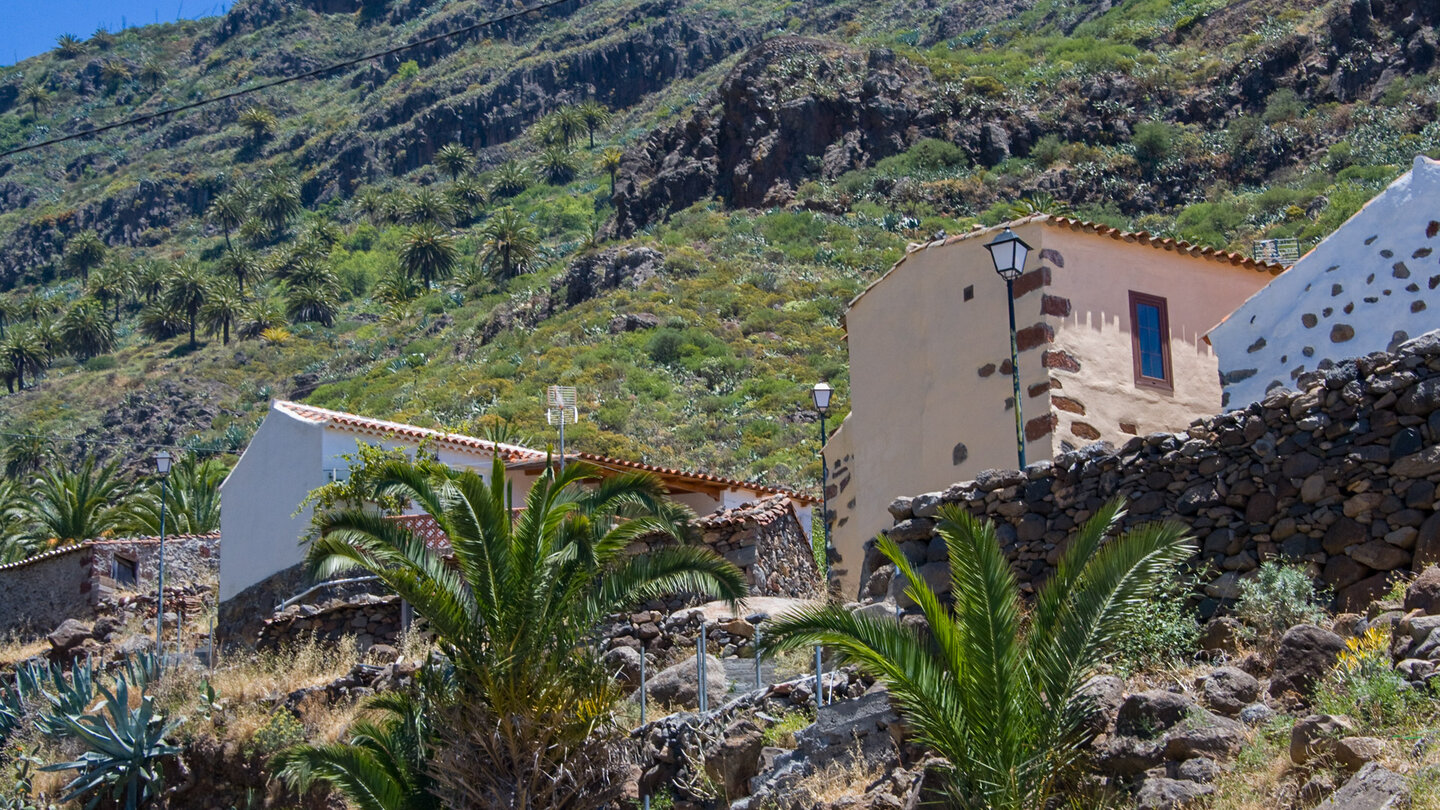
x,y
773,159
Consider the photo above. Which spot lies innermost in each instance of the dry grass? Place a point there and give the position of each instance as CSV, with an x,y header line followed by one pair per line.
x,y
14,649
274,674
843,777
327,722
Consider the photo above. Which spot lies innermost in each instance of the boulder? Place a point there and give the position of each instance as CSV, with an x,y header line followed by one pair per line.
x,y
623,664
1306,653
1159,793
678,685
1150,714
1227,690
1256,714
1102,696
1353,753
1316,735
1214,737
1128,756
105,627
1373,788
737,759
1199,769
1222,635
1424,593
68,635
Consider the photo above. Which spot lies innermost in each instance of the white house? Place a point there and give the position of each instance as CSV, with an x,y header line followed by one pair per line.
x,y
300,447
1366,287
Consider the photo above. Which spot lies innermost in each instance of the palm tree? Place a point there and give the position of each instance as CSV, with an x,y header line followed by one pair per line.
x,y
593,115
66,505
9,309
150,279
26,453
259,315
466,198
995,695
383,766
153,70
36,96
609,162
112,282
82,252
86,330
562,126
159,321
373,204
510,178
428,252
192,499
114,71
454,160
514,608
226,212
260,123
69,46
508,242
103,39
222,310
1039,202
185,292
558,164
23,350
277,203
241,265
14,546
312,300
426,206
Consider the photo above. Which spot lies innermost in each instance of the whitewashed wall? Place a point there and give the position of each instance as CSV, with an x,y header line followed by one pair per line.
x,y
1367,287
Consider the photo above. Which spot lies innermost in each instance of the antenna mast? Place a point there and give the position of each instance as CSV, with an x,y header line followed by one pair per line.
x,y
560,404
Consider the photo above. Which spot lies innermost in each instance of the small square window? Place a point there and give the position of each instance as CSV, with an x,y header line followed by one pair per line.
x,y
1150,340
969,292
124,571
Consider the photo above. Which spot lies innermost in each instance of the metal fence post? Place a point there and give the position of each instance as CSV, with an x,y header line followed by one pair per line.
x,y
642,684
819,689
700,668
758,681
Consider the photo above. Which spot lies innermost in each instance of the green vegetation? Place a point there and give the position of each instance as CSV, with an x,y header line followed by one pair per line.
x,y
992,693
511,616
1277,598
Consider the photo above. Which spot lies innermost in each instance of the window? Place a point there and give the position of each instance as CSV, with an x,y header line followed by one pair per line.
x,y
969,292
124,571
1150,340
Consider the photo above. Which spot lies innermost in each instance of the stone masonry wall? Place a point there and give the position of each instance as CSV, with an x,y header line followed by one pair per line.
x,y
1340,476
370,619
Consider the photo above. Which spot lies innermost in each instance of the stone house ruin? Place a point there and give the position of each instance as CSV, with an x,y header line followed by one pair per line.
x,y
1365,288
1110,328
69,582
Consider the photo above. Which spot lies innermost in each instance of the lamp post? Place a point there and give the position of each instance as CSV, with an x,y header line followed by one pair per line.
x,y
1009,252
820,396
162,466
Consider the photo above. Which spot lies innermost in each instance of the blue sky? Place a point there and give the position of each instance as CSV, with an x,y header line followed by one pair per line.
x,y
29,27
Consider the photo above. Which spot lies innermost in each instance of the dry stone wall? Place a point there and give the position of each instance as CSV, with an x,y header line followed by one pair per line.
x,y
1340,476
369,619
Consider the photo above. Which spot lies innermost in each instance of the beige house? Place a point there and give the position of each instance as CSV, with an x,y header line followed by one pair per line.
x,y
1109,332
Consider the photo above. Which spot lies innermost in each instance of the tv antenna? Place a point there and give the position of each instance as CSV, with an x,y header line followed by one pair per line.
x,y
559,407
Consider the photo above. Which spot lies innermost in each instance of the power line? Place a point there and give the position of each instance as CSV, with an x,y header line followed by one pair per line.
x,y
140,119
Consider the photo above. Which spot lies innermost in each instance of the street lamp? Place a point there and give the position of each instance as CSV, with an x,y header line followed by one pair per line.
x,y
162,466
820,396
1009,252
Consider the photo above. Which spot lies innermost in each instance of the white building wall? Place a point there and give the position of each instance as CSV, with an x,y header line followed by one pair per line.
x,y
1367,287
259,532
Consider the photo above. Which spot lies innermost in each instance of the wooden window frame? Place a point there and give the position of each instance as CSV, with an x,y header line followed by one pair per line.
x,y
131,563
1168,382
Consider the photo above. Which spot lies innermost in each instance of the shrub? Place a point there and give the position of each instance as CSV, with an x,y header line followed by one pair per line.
x,y
1160,632
664,346
1363,685
1277,598
281,731
1046,151
1153,142
1283,105
409,69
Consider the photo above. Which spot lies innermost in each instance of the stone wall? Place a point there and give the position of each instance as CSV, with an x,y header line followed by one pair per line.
x,y
39,593
370,619
1340,476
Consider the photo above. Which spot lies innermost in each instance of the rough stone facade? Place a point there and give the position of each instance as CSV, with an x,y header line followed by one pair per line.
x,y
765,539
1340,476
370,619
70,582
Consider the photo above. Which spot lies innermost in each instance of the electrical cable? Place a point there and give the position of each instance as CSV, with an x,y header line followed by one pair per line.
x,y
140,119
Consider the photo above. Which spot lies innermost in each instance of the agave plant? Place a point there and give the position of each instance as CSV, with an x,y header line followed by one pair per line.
x,y
124,747
997,696
67,697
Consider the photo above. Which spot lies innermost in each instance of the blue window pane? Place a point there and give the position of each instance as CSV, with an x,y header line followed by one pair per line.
x,y
1152,352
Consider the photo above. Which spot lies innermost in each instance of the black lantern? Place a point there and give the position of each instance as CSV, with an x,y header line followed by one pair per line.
x,y
1009,252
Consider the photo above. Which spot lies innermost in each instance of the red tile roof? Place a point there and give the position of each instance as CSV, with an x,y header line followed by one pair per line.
x,y
364,425
671,473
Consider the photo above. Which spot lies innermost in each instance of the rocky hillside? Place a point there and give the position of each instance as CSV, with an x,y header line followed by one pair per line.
x,y
767,160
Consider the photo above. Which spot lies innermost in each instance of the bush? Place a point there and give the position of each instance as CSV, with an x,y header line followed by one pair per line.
x,y
1163,631
1283,105
1153,142
1364,687
664,346
281,731
1277,598
102,363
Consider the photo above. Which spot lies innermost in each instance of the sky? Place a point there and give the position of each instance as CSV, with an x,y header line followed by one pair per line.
x,y
29,27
